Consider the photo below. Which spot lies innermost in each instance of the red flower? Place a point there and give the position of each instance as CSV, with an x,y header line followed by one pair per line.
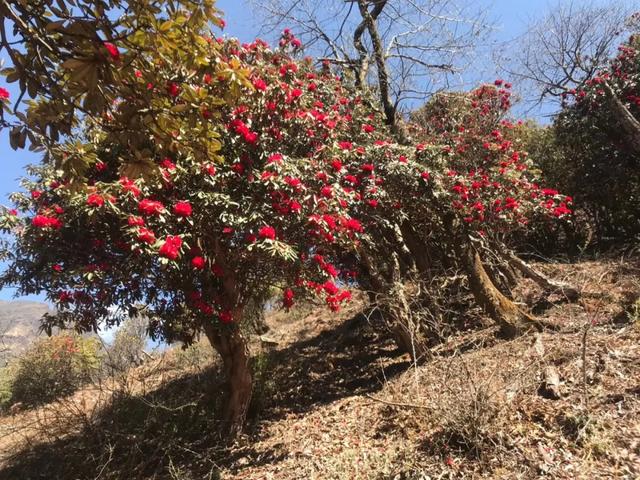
x,y
259,84
113,51
238,168
367,128
373,203
287,298
425,175
226,316
100,166
64,296
275,158
293,182
330,287
345,145
171,247
173,89
561,210
183,209
198,263
134,221
95,200
326,191
267,232
168,164
150,207
129,186
145,235
336,164
57,267
295,206
4,94
353,225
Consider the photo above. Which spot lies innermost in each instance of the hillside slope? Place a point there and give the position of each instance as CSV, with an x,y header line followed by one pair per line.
x,y
19,326
335,400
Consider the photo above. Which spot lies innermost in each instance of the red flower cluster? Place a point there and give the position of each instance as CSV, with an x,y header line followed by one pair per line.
x,y
171,247
113,51
95,200
198,262
129,186
267,233
150,207
287,298
183,209
42,221
145,235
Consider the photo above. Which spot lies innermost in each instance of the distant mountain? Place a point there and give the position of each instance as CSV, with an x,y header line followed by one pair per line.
x,y
19,326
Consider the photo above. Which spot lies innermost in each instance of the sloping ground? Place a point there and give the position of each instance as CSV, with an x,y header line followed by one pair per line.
x,y
336,400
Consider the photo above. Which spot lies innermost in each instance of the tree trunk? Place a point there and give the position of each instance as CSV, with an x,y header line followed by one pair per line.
x,y
406,332
549,285
504,312
393,303
234,351
418,250
629,124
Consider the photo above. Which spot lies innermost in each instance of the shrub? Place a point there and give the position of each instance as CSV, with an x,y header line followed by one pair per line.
x,y
54,367
6,385
128,345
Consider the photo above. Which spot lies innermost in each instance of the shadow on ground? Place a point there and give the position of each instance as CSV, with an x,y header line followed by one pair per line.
x,y
173,431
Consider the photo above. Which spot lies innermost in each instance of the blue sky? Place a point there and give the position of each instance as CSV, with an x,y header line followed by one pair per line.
x,y
510,16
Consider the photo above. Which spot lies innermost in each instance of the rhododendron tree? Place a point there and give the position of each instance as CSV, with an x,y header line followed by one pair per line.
x,y
453,196
192,246
598,133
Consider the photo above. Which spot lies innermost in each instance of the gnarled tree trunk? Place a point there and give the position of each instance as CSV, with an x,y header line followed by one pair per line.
x,y
418,250
504,312
234,351
549,285
393,302
629,123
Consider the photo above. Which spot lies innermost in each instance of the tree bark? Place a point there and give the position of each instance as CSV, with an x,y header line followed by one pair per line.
x,y
418,250
629,123
234,351
392,302
549,285
406,331
511,320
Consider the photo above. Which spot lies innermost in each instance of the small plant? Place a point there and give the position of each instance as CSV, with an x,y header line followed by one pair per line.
x,y
264,386
6,386
634,313
54,367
